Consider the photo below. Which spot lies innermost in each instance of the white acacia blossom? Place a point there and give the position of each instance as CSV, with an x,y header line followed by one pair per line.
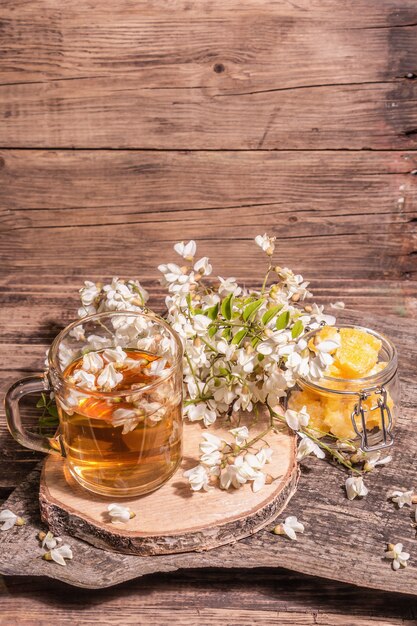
x,y
401,498
297,419
307,446
49,541
355,487
398,556
59,554
109,378
119,295
119,513
198,478
290,527
267,244
8,519
186,250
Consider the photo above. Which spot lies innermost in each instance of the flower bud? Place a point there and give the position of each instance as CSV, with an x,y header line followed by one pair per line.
x,y
295,297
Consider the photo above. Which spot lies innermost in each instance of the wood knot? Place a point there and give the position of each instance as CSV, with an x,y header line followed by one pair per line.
x,y
219,68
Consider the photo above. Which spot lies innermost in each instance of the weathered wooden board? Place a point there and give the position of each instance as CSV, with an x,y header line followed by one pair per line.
x,y
170,42
343,540
345,220
173,519
103,113
169,75
185,56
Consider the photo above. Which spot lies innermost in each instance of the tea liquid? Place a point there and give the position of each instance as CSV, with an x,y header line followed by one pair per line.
x,y
124,457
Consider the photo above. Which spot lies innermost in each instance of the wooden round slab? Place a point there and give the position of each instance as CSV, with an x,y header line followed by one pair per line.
x,y
173,518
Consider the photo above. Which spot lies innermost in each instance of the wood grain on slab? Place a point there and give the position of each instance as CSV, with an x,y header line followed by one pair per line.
x,y
173,518
343,540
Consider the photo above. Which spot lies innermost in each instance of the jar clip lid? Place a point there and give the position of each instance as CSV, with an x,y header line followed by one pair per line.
x,y
386,421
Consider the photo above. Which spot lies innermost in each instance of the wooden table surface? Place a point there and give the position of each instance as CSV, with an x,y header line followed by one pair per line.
x,y
127,126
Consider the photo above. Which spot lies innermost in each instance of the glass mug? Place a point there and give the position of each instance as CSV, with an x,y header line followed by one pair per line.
x,y
117,380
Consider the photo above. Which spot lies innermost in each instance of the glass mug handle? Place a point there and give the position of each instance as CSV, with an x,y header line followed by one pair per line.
x,y
32,384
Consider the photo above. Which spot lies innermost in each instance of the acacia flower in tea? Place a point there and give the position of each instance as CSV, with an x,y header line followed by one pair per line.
x,y
109,377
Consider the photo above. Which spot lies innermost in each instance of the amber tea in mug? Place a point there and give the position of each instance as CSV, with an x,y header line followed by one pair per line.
x,y
117,379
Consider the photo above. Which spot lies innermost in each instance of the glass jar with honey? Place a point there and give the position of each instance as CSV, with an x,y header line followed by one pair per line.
x,y
356,401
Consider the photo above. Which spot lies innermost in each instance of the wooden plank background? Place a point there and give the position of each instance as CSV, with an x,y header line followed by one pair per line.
x,y
127,126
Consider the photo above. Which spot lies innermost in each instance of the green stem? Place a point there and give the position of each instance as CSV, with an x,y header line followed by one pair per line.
x,y
266,278
193,372
334,453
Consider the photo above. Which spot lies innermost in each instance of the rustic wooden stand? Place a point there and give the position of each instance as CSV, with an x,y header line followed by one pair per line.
x,y
342,541
173,518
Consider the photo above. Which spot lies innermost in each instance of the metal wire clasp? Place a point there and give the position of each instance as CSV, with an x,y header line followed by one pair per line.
x,y
386,421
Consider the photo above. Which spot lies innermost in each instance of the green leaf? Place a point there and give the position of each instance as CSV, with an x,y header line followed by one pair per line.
x,y
224,372
198,312
226,308
282,320
188,298
227,334
297,329
41,402
270,313
241,334
48,421
255,342
212,311
251,309
212,330
53,411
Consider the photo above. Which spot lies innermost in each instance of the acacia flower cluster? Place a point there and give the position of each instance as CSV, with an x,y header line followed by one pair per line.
x,y
243,350
231,464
